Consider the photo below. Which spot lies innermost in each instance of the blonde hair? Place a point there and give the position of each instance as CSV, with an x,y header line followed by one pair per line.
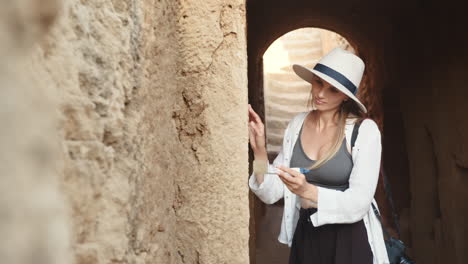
x,y
348,108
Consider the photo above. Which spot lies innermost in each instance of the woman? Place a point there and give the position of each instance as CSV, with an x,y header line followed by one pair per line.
x,y
327,187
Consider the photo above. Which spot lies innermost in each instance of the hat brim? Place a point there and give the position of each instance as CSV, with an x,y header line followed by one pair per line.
x,y
307,75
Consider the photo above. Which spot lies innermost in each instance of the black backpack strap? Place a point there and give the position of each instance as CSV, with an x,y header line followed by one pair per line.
x,y
386,184
388,192
355,133
384,230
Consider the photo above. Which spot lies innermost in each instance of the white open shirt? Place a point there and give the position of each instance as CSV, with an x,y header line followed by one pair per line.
x,y
333,206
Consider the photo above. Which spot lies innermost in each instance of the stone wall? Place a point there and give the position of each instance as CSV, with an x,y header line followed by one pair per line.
x,y
96,59
145,100
34,220
436,132
211,167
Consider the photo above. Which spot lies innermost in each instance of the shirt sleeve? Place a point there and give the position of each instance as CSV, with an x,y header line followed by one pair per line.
x,y
351,205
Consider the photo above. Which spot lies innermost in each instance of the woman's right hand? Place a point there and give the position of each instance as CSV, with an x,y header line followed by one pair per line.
x,y
256,134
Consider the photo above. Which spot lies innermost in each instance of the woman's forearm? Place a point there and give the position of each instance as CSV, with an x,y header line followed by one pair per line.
x,y
305,203
260,157
310,193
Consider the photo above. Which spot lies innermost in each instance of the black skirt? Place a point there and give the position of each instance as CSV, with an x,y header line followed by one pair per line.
x,y
330,243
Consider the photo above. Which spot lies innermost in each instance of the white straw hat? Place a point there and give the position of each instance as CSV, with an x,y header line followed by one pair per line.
x,y
340,68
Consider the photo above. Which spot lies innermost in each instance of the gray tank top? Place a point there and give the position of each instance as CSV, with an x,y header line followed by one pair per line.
x,y
333,174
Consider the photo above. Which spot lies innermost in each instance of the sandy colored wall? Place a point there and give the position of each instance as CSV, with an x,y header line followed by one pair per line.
x,y
95,58
143,97
34,217
211,170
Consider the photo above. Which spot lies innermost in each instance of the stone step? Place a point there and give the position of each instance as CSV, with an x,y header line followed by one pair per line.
x,y
276,122
302,34
299,55
283,77
295,47
288,69
301,44
276,110
288,98
277,132
279,111
274,139
275,86
307,63
273,150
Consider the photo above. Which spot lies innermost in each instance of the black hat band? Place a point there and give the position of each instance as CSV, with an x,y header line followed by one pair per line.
x,y
337,76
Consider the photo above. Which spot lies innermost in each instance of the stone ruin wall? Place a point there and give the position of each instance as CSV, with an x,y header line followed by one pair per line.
x,y
436,137
145,118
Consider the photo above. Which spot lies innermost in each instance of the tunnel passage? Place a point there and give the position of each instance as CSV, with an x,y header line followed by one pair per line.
x,y
416,55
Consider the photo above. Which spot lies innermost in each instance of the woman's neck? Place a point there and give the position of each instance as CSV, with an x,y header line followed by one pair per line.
x,y
324,119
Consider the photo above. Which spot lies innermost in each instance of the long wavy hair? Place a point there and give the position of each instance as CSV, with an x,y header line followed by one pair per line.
x,y
348,109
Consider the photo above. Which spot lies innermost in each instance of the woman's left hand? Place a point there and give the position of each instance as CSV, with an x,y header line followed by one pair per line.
x,y
296,181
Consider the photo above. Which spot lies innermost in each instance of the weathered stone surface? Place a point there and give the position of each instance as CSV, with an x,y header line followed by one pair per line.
x,y
212,210
148,99
33,223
